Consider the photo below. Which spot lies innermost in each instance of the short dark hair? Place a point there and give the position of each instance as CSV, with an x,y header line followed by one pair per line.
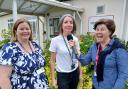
x,y
109,24
61,22
15,26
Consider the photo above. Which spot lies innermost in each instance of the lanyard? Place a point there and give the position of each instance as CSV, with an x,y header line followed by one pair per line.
x,y
97,54
71,54
24,49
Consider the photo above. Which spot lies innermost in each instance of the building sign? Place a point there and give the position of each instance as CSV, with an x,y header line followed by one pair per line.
x,y
93,19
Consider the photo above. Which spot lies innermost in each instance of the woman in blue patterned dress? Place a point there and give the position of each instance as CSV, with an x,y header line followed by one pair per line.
x,y
21,61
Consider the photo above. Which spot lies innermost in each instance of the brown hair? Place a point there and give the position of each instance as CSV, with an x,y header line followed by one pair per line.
x,y
16,24
109,24
61,22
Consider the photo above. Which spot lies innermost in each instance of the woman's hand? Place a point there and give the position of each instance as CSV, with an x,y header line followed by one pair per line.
x,y
54,83
52,69
71,43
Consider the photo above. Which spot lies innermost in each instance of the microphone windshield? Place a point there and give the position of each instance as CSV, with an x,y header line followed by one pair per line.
x,y
69,37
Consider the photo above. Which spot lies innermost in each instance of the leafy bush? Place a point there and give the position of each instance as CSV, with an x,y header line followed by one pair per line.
x,y
125,44
6,35
85,43
47,57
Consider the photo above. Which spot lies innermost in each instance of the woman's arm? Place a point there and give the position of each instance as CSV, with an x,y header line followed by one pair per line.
x,y
5,72
84,59
122,67
52,68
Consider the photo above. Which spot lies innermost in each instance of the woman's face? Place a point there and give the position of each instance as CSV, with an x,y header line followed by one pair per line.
x,y
67,25
102,33
23,31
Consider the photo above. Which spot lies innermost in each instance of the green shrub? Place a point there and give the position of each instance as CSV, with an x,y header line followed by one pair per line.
x,y
47,57
6,35
85,43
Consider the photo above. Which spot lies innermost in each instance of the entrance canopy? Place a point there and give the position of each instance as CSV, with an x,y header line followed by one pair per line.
x,y
34,7
37,8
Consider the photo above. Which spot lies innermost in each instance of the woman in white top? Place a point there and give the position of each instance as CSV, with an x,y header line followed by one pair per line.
x,y
64,55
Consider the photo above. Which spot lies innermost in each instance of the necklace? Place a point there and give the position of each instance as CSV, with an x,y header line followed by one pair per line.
x,y
25,48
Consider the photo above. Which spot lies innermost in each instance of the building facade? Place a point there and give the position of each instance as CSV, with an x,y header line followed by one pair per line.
x,y
92,11
113,9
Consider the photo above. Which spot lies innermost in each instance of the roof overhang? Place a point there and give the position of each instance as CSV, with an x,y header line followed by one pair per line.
x,y
34,7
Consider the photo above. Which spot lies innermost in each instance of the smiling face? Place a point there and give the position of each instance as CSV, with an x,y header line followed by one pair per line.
x,y
102,33
23,31
67,25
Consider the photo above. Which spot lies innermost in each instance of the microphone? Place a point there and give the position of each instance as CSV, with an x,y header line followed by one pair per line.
x,y
70,37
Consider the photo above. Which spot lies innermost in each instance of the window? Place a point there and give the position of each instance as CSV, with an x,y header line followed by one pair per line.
x,y
93,19
33,21
10,23
33,24
100,9
53,24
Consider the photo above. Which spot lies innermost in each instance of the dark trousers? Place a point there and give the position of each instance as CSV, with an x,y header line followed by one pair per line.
x,y
93,87
68,80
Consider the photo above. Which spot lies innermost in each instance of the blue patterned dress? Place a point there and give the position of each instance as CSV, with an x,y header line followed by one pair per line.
x,y
25,65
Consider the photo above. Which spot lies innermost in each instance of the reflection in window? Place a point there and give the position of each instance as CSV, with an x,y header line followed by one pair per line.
x,y
53,24
33,22
10,23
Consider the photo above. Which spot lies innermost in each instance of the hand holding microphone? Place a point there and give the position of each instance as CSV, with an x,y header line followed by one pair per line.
x,y
72,43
